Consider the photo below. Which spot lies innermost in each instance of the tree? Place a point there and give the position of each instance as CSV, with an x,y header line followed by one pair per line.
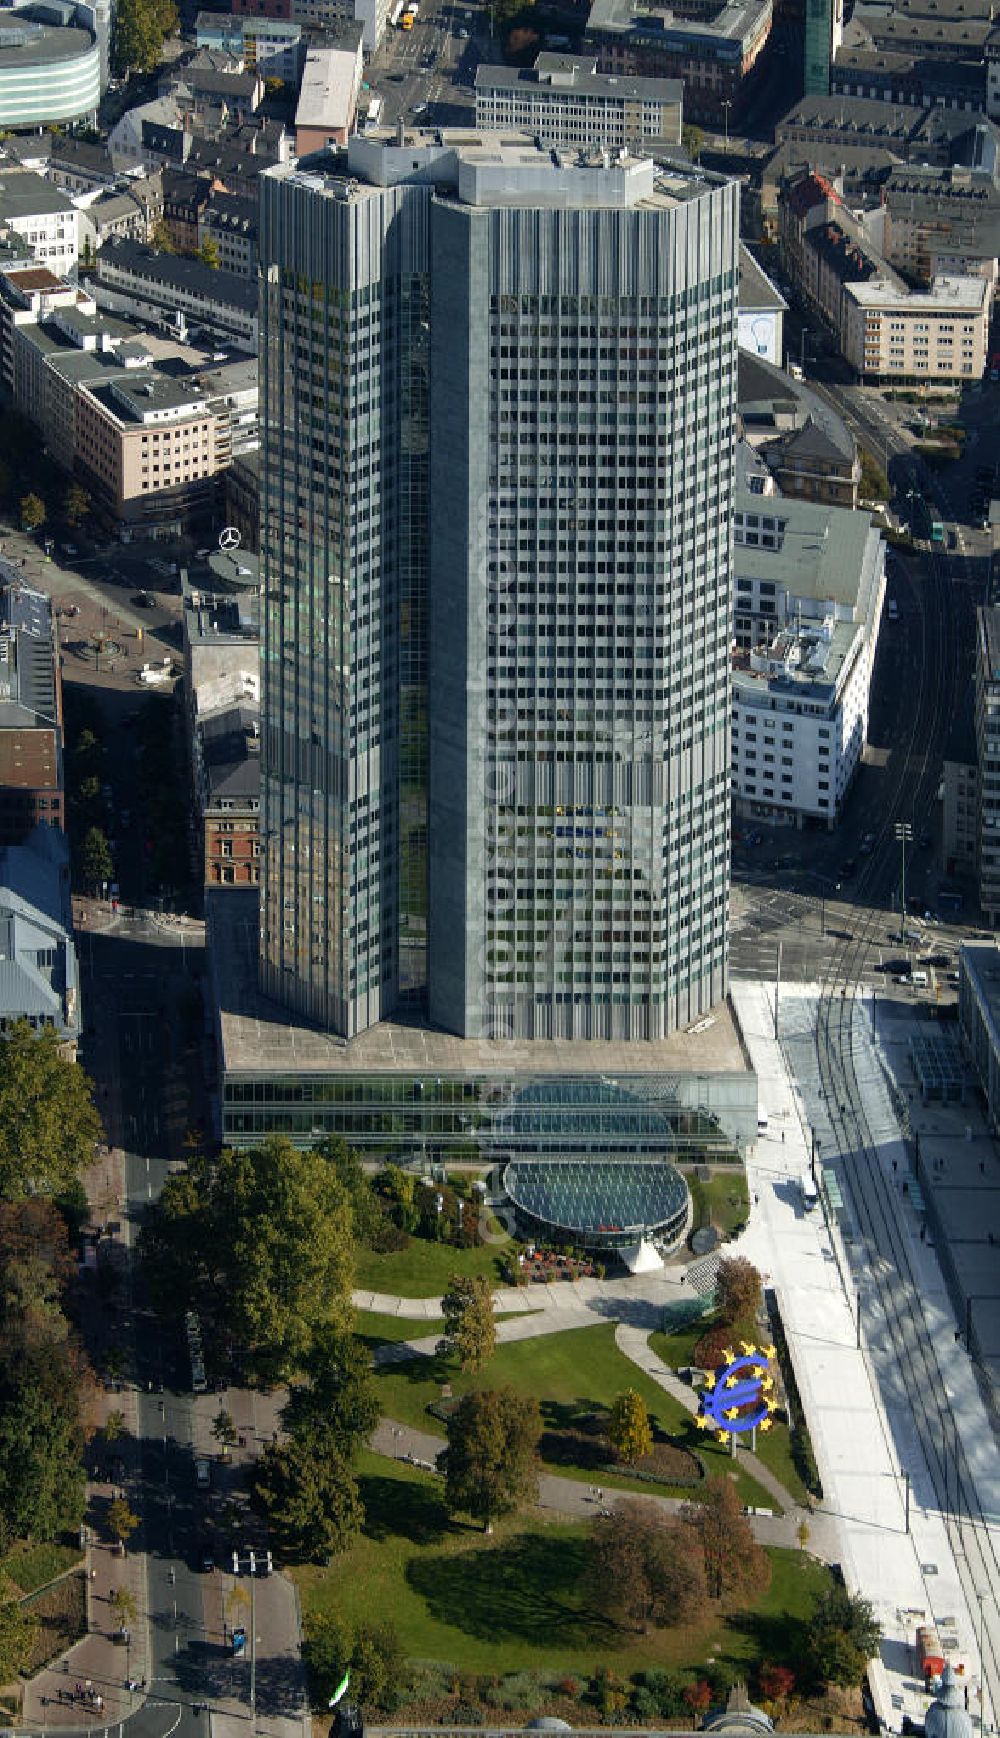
x,y
139,29
698,1696
378,1667
734,1562
48,1124
33,512
96,866
161,237
208,253
470,1329
738,1292
803,1534
629,1430
644,1568
307,1493
693,141
77,504
41,1441
491,1461
123,1603
114,1426
260,1243
875,485
121,1521
776,1682
17,1633
339,1395
844,1635
224,1430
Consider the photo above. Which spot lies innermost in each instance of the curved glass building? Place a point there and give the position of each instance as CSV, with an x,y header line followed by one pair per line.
x,y
47,72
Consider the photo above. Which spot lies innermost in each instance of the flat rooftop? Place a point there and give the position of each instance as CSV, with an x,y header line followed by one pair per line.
x,y
260,1038
328,87
571,77
946,294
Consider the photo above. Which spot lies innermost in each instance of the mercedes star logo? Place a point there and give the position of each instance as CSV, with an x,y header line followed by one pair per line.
x,y
229,537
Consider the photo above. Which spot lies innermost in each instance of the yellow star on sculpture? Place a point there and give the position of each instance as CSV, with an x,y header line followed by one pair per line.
x,y
758,1370
769,1351
710,1382
701,1420
748,1348
731,1412
723,1435
732,1381
727,1355
765,1423
767,1383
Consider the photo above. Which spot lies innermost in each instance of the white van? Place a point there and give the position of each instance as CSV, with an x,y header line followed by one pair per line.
x,y
761,1123
809,1192
919,980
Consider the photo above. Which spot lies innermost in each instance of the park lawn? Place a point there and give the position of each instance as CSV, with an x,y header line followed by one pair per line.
x,y
724,1201
774,1448
676,1347
381,1329
32,1566
423,1269
578,1371
518,1600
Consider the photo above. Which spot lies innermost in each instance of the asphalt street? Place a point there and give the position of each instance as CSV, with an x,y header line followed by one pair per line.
x,y
144,1045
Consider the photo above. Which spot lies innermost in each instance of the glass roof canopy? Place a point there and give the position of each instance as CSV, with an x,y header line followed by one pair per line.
x,y
588,1161
599,1201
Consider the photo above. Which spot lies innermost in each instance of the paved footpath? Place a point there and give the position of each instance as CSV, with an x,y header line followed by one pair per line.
x,y
573,1498
907,1574
97,1663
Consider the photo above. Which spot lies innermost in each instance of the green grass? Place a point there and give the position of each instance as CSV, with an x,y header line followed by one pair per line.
x,y
32,1566
520,1600
423,1269
774,1448
573,1373
724,1201
379,1329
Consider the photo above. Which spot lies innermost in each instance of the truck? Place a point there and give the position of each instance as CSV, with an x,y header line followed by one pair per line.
x,y
930,1656
809,1192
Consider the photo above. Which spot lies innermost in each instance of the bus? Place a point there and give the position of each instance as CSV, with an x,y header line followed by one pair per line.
x,y
397,12
937,531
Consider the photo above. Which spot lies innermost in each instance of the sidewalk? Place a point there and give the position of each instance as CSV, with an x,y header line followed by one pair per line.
x,y
858,1447
97,1663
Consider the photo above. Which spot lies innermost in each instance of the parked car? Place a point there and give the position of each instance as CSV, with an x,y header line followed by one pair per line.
x,y
867,845
202,1474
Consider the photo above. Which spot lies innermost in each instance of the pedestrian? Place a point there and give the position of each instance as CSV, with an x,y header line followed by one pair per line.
x,y
895,1165
782,1137
756,1200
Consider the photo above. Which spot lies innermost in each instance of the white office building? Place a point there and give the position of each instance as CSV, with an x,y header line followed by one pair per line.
x,y
809,587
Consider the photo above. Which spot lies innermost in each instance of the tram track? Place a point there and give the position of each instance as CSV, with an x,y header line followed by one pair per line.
x,y
890,1284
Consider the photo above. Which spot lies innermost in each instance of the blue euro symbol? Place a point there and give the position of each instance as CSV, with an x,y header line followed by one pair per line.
x,y
737,1385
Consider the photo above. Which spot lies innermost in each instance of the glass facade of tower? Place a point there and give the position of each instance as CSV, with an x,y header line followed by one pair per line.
x,y
344,556
587,848
496,544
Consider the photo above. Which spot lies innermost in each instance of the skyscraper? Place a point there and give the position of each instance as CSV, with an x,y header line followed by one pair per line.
x,y
498,388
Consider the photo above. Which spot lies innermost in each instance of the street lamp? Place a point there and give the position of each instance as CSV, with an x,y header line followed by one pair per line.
x,y
726,106
904,833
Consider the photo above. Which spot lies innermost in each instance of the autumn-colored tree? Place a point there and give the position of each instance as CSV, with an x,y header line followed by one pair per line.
x,y
698,1696
121,1520
738,1292
644,1568
77,504
33,512
734,1562
123,1603
776,1682
629,1431
470,1329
